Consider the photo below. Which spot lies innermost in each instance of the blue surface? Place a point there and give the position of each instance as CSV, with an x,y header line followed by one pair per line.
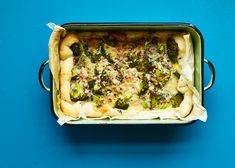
x,y
30,136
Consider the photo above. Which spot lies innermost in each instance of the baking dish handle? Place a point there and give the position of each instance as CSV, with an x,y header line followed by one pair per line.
x,y
212,70
41,80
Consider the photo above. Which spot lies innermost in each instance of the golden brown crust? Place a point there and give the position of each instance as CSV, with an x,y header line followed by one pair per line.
x,y
65,51
65,77
54,57
72,110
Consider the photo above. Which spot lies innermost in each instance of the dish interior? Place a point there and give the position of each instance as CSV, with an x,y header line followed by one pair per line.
x,y
198,51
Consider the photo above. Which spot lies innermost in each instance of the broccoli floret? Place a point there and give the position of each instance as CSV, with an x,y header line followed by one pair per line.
x,y
122,104
86,50
99,66
163,105
172,50
159,73
106,77
110,60
176,100
132,57
153,42
77,92
97,100
94,56
119,77
159,104
91,84
100,52
76,48
160,48
143,85
153,102
104,52
143,65
75,71
162,77
156,100
99,90
96,88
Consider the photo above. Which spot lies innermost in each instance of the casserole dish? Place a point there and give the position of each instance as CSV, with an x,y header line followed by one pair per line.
x,y
173,28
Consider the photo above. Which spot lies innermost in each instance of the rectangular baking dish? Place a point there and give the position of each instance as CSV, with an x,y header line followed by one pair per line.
x,y
198,73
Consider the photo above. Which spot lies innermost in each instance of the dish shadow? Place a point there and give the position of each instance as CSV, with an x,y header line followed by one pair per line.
x,y
160,134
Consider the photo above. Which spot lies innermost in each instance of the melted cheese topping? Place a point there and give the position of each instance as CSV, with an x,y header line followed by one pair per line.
x,y
125,72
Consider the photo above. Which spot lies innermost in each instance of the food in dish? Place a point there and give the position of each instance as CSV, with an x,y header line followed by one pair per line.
x,y
124,74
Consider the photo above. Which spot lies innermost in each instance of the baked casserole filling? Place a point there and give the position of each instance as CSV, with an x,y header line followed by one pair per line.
x,y
124,74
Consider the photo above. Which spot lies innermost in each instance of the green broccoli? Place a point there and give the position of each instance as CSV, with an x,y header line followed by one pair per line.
x,y
162,77
163,105
104,52
94,56
122,104
91,84
159,104
154,98
157,101
143,85
75,71
153,102
177,99
172,50
132,59
77,92
76,48
160,48
97,100
143,65
99,90
106,77
159,73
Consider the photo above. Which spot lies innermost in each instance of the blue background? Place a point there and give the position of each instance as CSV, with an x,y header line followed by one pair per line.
x,y
30,136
